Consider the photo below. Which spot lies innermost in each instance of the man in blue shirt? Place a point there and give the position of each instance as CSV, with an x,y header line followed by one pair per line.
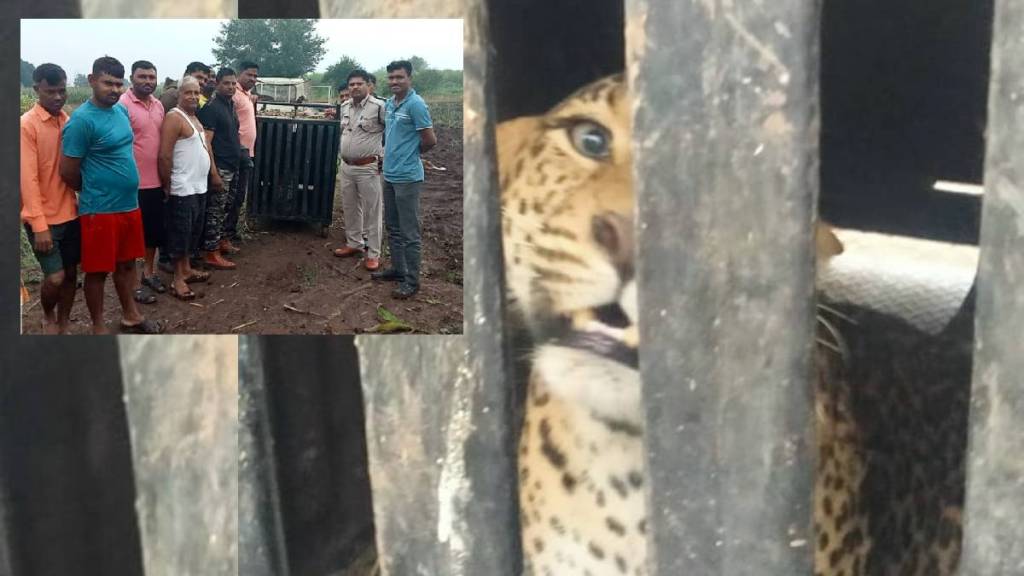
x,y
97,159
408,132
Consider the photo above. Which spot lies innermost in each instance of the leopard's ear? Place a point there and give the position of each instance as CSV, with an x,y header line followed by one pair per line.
x,y
511,136
826,242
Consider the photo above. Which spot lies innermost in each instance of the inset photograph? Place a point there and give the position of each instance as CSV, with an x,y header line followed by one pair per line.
x,y
269,177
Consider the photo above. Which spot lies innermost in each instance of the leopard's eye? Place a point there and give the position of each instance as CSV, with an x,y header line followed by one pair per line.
x,y
591,139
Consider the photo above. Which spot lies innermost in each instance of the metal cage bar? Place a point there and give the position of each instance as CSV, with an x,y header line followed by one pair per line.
x,y
6,548
262,551
725,153
181,398
65,460
440,423
994,535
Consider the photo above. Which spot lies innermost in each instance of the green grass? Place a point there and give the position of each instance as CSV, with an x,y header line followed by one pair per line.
x,y
310,275
30,271
76,96
390,323
446,112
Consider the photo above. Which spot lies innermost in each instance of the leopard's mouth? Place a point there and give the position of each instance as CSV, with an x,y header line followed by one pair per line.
x,y
605,331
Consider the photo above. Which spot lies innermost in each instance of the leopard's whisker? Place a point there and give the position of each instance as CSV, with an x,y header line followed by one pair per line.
x,y
829,345
837,313
839,345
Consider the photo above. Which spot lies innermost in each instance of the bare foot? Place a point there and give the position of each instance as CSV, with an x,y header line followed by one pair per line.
x,y
101,329
180,286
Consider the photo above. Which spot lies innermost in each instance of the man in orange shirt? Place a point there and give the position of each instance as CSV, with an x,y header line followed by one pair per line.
x,y
49,208
245,106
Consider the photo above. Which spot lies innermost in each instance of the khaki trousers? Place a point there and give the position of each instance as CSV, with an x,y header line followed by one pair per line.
x,y
361,201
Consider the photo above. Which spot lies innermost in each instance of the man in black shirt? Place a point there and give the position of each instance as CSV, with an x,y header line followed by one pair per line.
x,y
221,124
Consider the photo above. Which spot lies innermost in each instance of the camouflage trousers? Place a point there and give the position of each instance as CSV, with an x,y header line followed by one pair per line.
x,y
217,205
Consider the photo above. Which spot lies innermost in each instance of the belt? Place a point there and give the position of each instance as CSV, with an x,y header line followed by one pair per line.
x,y
361,161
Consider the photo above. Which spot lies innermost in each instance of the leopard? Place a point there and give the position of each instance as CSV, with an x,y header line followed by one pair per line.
x,y
567,209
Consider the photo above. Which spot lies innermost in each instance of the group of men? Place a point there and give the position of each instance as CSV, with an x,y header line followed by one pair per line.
x,y
381,143
166,178
150,178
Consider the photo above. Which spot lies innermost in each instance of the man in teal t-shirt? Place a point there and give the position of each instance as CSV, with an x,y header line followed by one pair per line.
x,y
97,160
408,132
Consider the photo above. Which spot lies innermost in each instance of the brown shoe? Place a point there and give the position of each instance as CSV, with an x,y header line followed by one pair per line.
x,y
346,251
213,259
226,247
372,264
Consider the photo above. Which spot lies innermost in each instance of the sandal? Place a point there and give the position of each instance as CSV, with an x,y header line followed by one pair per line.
x,y
147,326
155,283
144,296
186,296
197,277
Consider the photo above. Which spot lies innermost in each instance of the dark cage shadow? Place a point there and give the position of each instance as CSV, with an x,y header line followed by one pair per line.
x,y
67,494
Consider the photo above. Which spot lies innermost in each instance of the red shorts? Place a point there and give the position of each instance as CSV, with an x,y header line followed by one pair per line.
x,y
111,238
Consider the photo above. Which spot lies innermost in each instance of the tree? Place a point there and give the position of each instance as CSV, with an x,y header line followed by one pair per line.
x,y
418,64
337,73
26,73
288,48
81,80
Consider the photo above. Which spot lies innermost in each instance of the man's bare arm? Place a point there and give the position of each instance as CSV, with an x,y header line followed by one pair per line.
x,y
71,171
427,139
169,133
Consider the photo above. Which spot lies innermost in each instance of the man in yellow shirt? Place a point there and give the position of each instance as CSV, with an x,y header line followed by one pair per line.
x,y
49,208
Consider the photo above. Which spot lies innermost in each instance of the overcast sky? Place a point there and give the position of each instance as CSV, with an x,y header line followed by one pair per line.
x,y
74,44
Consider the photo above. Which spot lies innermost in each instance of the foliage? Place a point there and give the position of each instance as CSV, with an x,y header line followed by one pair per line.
x,y
426,80
76,96
389,323
288,48
26,73
337,72
81,80
446,112
30,271
27,100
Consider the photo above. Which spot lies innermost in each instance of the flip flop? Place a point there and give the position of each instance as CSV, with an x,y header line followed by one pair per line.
x,y
155,283
197,277
186,296
147,326
144,296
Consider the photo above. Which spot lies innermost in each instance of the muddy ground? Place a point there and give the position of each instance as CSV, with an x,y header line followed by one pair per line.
x,y
289,282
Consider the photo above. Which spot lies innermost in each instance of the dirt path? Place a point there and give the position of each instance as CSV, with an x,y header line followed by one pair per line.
x,y
289,282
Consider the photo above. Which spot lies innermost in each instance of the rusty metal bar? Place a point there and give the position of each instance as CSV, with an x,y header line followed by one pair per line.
x,y
725,149
994,538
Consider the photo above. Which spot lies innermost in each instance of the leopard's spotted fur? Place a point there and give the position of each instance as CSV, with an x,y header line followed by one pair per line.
x,y
889,481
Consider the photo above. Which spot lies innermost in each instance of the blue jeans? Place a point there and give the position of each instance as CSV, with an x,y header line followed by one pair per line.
x,y
402,218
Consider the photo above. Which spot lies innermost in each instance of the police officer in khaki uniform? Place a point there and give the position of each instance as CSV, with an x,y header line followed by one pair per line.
x,y
362,146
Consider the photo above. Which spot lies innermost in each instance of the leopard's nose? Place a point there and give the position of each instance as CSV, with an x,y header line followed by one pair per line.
x,y
613,232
